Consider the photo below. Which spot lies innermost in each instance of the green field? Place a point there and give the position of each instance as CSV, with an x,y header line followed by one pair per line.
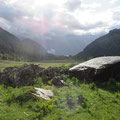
x,y
45,64
76,101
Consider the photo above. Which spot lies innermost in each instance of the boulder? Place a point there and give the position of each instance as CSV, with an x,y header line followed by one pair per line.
x,y
45,94
97,69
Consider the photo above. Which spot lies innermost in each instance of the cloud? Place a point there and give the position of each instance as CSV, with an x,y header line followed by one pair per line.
x,y
4,24
61,26
116,15
10,13
113,1
38,18
73,4
51,51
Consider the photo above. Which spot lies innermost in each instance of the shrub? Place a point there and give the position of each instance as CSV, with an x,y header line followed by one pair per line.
x,y
20,95
111,81
38,82
118,86
42,108
113,84
75,81
117,94
92,86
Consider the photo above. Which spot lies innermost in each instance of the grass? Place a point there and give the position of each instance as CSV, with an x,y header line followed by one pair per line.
x,y
83,103
21,104
72,102
76,101
45,64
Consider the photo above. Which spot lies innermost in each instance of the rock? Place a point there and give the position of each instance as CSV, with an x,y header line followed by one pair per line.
x,y
25,75
50,73
20,76
58,81
45,94
101,68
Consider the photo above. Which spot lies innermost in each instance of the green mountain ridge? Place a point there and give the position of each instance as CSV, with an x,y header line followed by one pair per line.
x,y
107,45
8,42
12,47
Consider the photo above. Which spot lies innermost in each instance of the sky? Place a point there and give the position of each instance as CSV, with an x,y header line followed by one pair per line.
x,y
43,19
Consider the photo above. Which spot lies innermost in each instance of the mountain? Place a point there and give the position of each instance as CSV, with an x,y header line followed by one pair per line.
x,y
107,45
12,47
8,43
64,45
69,44
32,49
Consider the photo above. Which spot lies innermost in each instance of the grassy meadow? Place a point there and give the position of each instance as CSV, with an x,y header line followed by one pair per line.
x,y
45,64
75,101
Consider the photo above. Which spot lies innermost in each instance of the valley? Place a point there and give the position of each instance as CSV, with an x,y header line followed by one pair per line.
x,y
59,60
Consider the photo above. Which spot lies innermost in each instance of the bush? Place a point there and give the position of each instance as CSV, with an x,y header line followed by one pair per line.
x,y
20,95
38,82
92,86
75,81
113,84
42,108
118,86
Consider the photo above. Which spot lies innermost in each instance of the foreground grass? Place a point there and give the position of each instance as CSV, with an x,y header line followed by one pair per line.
x,y
21,104
85,102
74,101
81,102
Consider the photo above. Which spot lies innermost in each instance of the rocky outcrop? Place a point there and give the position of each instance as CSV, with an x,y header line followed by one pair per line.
x,y
49,73
101,68
45,94
55,74
26,74
20,76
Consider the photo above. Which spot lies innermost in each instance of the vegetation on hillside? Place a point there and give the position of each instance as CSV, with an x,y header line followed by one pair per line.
x,y
107,45
74,101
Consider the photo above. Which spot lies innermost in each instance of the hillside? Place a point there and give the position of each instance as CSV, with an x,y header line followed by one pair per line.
x,y
8,43
32,49
107,45
13,48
